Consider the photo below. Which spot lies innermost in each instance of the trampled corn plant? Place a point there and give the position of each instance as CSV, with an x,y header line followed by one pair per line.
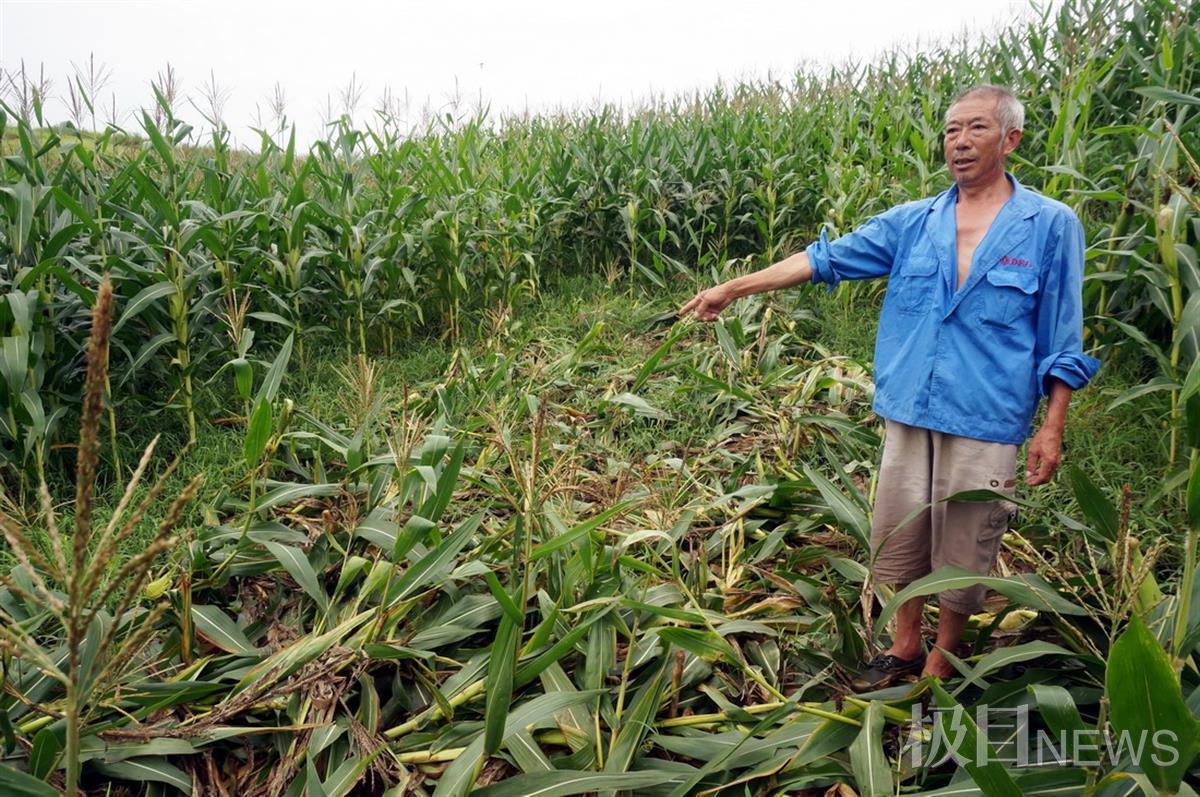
x,y
380,630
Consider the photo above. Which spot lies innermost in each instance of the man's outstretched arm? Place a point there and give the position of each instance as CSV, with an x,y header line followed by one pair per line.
x,y
787,273
865,253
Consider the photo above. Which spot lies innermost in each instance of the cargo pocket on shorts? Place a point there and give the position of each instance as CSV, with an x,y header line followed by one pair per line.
x,y
1001,517
1002,513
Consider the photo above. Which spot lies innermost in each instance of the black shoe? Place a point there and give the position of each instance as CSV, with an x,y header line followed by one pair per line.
x,y
884,670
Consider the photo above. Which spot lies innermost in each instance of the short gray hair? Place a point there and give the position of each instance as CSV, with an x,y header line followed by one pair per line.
x,y
1009,111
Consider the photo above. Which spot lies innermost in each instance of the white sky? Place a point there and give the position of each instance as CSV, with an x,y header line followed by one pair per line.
x,y
533,54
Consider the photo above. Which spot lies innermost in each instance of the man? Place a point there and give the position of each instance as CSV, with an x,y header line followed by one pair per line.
x,y
981,319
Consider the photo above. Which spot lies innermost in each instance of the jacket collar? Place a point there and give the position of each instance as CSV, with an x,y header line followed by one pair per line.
x,y
1023,200
1008,230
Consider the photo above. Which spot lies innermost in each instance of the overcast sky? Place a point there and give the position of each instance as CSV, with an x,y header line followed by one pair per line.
x,y
523,54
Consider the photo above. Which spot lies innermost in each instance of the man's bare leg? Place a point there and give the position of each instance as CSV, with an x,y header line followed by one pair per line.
x,y
950,629
907,643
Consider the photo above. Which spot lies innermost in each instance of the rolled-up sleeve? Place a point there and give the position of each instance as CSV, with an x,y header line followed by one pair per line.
x,y
865,253
1059,344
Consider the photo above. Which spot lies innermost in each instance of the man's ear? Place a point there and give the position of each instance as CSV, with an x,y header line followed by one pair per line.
x,y
1011,139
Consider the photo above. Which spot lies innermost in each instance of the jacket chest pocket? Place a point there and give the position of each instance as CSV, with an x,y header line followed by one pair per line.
x,y
1010,298
918,281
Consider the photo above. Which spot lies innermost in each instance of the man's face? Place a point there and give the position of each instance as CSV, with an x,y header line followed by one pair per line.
x,y
975,150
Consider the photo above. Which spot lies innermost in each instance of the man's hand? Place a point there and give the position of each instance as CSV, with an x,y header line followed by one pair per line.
x,y
1045,450
708,304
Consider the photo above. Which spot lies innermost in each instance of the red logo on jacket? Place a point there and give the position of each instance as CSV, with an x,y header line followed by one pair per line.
x,y
1014,261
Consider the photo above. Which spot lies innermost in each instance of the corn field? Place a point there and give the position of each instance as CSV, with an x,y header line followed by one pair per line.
x,y
458,590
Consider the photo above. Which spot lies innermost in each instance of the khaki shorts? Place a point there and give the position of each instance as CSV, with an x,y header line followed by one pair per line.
x,y
923,467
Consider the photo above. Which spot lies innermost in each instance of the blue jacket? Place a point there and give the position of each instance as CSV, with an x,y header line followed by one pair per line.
x,y
973,362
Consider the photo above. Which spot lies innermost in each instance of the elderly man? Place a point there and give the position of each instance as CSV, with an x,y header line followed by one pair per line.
x,y
982,318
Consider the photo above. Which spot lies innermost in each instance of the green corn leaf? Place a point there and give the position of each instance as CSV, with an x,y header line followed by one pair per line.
x,y
149,769
312,781
1061,715
1012,654
725,751
1164,94
960,732
22,199
286,493
665,611
725,341
507,604
639,405
380,651
243,377
500,682
1191,409
6,729
157,140
270,386
638,719
91,653
148,349
272,318
458,778
717,385
145,298
433,508
14,362
600,654
652,362
166,210
705,644
535,667
1191,384
528,753
872,774
218,629
258,432
1025,589
1095,506
575,721
289,154
96,749
282,663
851,516
1158,384
341,783
50,268
70,203
296,563
418,575
14,783
44,755
1148,707
577,532
1056,782
59,242
565,782
1193,497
